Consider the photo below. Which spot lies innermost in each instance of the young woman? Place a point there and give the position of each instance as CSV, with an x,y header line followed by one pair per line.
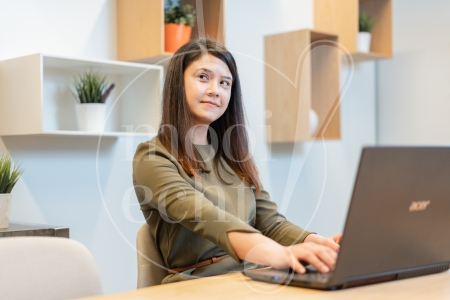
x,y
198,185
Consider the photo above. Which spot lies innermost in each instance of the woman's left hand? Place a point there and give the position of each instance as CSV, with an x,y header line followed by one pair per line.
x,y
332,242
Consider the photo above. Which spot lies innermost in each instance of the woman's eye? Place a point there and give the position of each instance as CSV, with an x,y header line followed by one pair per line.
x,y
226,83
203,76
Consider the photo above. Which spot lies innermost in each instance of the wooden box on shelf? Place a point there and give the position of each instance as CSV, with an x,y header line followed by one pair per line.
x,y
140,27
36,97
302,73
342,18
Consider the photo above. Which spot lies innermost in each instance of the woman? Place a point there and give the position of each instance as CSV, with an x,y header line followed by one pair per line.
x,y
198,185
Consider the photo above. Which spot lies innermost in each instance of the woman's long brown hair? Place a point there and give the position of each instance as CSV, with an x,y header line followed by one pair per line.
x,y
231,146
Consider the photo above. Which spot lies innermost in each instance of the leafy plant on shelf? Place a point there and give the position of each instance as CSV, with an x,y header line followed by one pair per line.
x,y
9,174
92,87
366,22
183,14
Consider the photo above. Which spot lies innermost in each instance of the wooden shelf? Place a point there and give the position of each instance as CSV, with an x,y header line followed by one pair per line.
x,y
35,96
302,72
366,56
342,18
162,60
140,27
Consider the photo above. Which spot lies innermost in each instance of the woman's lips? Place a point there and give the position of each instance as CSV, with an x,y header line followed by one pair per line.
x,y
209,103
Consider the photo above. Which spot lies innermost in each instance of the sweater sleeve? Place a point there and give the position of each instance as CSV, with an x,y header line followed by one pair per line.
x,y
161,184
274,225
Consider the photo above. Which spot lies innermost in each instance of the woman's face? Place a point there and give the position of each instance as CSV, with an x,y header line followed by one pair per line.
x,y
207,84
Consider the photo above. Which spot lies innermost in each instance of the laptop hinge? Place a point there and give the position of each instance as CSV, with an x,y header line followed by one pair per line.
x,y
365,281
426,271
399,275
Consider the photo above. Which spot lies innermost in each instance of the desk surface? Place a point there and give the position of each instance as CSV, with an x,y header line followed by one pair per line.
x,y
237,286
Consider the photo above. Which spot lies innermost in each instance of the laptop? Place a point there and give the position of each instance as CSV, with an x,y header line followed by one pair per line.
x,y
397,224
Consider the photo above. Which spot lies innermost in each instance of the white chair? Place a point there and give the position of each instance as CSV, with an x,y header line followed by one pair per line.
x,y
151,265
46,268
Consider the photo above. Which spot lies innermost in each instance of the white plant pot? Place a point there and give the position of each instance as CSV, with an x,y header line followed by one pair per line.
x,y
364,39
5,207
91,116
313,122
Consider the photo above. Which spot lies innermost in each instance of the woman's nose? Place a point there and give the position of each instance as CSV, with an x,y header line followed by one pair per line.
x,y
213,88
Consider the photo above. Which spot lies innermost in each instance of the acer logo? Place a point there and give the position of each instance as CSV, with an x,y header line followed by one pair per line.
x,y
419,205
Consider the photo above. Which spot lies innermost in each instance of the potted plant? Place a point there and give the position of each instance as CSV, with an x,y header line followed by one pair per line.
x,y
9,174
366,23
92,90
179,21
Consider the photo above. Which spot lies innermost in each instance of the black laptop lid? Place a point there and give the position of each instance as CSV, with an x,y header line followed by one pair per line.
x,y
399,217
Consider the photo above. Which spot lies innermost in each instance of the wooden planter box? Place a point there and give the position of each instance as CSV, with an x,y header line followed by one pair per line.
x,y
302,72
342,18
140,28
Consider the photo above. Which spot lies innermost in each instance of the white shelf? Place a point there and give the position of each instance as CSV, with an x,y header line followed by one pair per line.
x,y
35,96
97,134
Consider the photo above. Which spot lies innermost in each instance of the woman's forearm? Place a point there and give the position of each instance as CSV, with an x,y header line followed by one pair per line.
x,y
255,247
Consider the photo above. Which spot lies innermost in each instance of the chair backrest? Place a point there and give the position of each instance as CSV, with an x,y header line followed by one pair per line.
x,y
46,268
151,265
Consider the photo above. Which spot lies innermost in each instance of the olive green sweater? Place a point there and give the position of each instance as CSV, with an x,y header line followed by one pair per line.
x,y
190,217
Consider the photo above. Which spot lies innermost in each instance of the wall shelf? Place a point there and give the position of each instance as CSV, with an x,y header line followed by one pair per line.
x,y
113,134
35,96
297,82
140,27
342,18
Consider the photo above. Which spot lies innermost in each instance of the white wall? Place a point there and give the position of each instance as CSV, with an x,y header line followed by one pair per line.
x,y
301,201
80,28
61,184
320,198
414,86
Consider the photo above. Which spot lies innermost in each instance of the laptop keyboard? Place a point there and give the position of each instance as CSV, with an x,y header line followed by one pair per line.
x,y
316,277
312,274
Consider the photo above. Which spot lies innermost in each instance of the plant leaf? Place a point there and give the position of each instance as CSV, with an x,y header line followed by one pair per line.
x,y
90,87
9,173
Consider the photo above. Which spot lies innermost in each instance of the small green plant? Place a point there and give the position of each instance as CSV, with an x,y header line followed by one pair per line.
x,y
9,173
92,87
181,14
366,22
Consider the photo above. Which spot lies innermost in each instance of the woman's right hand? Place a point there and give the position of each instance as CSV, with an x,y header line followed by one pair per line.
x,y
321,257
256,248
